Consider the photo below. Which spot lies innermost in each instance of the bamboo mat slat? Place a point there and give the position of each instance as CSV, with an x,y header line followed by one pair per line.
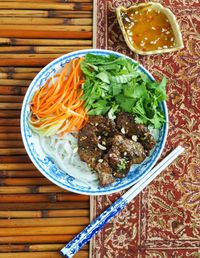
x,y
45,21
54,1
37,50
41,42
45,13
32,206
23,173
81,254
59,28
45,214
46,6
23,223
39,239
32,248
36,217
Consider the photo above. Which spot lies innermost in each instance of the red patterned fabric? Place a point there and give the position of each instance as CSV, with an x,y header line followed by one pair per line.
x,y
164,220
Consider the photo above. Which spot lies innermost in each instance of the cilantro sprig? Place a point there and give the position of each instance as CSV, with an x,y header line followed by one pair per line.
x,y
114,84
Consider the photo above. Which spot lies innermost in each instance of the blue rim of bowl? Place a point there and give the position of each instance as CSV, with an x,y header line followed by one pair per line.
x,y
100,191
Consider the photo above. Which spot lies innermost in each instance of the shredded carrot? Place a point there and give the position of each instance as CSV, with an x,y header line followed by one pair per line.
x,y
59,100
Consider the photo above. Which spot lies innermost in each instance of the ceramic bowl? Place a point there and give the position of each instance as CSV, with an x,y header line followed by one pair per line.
x,y
47,166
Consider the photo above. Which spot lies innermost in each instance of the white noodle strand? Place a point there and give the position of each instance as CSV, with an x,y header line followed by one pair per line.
x,y
63,151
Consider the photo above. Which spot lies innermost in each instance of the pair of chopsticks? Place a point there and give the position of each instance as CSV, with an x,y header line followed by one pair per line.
x,y
92,229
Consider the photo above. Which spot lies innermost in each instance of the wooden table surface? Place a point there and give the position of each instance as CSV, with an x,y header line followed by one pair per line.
x,y
36,217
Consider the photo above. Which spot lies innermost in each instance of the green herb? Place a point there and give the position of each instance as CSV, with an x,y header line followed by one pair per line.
x,y
114,84
122,165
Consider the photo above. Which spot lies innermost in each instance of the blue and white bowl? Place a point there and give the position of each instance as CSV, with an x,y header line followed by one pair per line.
x,y
47,166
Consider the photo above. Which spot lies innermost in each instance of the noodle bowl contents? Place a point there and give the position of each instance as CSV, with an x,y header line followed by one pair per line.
x,y
92,119
56,108
64,152
110,147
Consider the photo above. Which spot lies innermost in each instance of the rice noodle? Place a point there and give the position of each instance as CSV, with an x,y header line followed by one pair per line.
x,y
64,153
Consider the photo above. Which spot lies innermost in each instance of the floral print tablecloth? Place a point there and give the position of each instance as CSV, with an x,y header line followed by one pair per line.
x,y
164,220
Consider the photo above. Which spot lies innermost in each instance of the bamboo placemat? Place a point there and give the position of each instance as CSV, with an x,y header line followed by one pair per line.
x,y
36,217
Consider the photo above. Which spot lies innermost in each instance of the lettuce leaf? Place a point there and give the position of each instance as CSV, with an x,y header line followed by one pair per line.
x,y
114,84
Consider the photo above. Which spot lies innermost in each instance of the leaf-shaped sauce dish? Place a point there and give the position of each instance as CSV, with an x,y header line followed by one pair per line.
x,y
149,28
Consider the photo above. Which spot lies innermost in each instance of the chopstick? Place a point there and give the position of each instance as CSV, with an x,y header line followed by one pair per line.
x,y
92,229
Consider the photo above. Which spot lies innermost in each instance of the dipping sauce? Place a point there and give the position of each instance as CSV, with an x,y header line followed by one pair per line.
x,y
148,29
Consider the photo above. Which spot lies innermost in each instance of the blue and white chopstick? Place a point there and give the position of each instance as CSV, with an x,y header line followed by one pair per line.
x,y
92,229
